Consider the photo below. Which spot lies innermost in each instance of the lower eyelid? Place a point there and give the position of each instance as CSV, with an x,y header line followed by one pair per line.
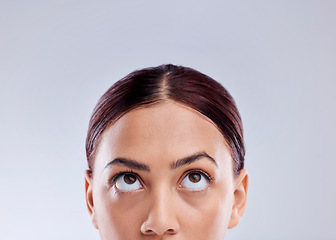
x,y
203,173
115,177
121,173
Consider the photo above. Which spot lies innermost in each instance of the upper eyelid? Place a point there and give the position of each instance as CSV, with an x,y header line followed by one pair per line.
x,y
115,177
118,175
205,174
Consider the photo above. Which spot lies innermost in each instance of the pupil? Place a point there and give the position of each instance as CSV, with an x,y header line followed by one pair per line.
x,y
129,179
195,177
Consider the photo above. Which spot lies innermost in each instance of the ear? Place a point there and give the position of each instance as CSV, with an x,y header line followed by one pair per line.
x,y
89,197
240,197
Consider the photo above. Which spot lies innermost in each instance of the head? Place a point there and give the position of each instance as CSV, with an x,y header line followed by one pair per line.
x,y
165,152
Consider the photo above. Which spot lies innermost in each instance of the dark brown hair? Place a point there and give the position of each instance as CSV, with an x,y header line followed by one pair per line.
x,y
177,83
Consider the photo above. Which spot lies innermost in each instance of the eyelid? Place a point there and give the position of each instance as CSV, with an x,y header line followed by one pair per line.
x,y
119,174
208,177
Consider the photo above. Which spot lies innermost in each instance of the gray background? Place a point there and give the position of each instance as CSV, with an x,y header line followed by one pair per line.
x,y
277,58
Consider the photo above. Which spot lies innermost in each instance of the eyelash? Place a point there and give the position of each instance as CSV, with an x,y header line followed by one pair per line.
x,y
116,176
209,178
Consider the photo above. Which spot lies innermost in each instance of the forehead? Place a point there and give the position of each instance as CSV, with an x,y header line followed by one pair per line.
x,y
166,130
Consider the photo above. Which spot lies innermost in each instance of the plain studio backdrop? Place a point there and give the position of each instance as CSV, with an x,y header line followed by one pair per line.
x,y
277,58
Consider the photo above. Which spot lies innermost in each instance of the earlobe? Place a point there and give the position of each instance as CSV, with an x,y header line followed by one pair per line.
x,y
89,197
240,197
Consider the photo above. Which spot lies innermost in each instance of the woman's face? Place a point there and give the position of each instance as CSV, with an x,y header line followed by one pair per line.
x,y
164,172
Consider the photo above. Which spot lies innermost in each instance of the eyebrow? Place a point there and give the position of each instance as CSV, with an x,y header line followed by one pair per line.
x,y
143,167
192,158
128,163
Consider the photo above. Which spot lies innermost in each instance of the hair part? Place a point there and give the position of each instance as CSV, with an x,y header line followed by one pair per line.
x,y
145,87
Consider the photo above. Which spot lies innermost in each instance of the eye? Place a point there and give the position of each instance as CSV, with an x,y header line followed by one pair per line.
x,y
127,182
195,180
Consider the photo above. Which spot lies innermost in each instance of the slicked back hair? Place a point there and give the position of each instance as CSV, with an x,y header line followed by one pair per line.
x,y
184,85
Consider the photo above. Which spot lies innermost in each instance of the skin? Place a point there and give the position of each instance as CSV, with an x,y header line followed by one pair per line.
x,y
164,203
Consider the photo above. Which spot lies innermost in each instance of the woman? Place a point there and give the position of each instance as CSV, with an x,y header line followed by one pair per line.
x,y
166,153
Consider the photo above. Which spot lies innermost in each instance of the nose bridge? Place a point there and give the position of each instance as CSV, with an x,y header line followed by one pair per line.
x,y
162,217
162,201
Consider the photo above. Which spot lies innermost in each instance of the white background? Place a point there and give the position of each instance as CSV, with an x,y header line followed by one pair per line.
x,y
277,58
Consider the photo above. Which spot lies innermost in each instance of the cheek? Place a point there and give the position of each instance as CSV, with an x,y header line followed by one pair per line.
x,y
118,216
207,216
